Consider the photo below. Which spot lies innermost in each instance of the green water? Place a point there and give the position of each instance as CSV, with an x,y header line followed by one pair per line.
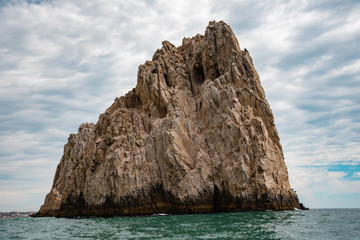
x,y
313,224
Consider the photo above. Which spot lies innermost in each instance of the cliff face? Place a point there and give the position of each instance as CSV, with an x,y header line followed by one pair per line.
x,y
195,135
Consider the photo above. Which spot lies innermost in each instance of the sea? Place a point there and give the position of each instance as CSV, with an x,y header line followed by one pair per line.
x,y
298,224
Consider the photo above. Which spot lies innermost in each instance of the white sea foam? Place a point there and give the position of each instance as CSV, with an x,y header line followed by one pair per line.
x,y
161,214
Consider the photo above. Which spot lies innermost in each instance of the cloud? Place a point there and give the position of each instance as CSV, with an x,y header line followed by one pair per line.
x,y
357,174
22,200
320,188
63,62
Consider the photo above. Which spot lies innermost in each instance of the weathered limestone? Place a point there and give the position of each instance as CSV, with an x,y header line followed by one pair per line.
x,y
195,135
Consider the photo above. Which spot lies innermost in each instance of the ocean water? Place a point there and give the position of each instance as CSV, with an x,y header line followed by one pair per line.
x,y
313,224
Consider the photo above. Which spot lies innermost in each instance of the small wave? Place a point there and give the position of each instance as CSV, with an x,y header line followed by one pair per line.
x,y
161,214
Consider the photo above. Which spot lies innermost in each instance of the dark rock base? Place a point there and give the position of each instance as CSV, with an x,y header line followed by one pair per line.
x,y
173,206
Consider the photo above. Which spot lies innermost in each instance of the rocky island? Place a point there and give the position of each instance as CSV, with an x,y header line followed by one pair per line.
x,y
195,135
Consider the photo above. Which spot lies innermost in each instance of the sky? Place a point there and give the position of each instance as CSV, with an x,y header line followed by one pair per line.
x,y
63,62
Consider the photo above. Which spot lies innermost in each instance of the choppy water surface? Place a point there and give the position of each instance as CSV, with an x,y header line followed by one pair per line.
x,y
313,224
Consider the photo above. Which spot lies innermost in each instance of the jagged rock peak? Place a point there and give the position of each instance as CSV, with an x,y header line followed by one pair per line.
x,y
195,135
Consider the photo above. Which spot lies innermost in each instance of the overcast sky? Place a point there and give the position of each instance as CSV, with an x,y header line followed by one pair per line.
x,y
63,62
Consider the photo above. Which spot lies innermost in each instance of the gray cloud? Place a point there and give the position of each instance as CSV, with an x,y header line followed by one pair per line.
x,y
63,63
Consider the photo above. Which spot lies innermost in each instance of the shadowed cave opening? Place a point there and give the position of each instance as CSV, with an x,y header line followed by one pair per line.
x,y
216,199
166,80
199,76
217,72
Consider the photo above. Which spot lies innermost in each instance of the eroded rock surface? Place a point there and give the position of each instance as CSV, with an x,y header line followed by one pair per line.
x,y
195,135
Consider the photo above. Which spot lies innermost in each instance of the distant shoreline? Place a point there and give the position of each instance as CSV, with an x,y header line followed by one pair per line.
x,y
15,214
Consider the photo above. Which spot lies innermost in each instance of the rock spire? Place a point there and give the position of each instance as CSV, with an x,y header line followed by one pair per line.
x,y
195,135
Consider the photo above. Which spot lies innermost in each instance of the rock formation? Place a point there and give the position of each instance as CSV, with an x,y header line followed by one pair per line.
x,y
195,135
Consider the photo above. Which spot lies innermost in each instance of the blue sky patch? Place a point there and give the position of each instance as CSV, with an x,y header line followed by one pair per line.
x,y
350,171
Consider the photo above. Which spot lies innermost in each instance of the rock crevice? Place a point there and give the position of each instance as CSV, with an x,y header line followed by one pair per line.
x,y
195,135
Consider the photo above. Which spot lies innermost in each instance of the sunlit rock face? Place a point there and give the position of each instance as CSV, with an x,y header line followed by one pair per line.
x,y
195,135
